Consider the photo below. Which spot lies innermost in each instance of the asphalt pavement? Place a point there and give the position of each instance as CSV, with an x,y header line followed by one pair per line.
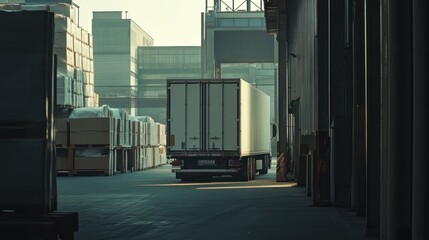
x,y
152,204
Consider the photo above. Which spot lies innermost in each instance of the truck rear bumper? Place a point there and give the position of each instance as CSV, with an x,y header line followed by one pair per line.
x,y
227,171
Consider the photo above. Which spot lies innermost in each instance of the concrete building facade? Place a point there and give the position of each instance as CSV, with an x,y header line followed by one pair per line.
x,y
155,66
115,58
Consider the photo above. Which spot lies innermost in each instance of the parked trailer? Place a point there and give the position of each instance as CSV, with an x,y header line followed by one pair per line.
x,y
217,127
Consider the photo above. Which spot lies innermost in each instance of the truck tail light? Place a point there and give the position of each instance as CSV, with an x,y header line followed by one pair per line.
x,y
176,163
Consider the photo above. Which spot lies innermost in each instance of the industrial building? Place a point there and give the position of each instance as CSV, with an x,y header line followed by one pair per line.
x,y
116,40
155,66
348,125
356,73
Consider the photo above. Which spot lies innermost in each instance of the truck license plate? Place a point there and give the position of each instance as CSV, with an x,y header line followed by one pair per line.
x,y
206,163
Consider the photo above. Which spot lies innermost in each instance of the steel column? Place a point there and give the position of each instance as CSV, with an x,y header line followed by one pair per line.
x,y
282,87
397,119
420,195
373,82
359,110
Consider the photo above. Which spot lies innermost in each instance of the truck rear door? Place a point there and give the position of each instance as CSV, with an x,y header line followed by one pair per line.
x,y
184,117
222,122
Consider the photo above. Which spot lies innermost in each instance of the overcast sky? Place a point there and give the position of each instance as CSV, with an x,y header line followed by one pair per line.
x,y
169,22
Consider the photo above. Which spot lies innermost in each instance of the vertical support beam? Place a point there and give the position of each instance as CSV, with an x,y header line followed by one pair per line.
x,y
282,87
341,102
322,65
322,78
373,82
420,195
400,125
384,138
203,55
359,110
397,119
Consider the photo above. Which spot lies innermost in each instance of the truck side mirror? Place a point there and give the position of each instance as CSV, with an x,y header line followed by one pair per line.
x,y
274,131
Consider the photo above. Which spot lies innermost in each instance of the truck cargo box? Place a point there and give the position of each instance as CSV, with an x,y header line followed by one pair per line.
x,y
217,117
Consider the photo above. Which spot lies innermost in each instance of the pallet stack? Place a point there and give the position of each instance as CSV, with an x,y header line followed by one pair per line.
x,y
107,140
74,50
154,149
64,153
91,142
162,143
134,153
27,183
123,136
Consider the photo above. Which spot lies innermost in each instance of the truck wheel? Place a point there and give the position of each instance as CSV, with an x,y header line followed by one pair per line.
x,y
244,174
264,169
252,172
265,166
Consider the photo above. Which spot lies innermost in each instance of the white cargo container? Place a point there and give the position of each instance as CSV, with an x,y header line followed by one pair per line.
x,y
217,127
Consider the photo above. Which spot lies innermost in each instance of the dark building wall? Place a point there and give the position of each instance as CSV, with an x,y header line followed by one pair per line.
x,y
341,101
301,60
378,67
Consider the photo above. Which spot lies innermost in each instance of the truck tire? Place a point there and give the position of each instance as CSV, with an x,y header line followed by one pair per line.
x,y
265,166
252,168
244,174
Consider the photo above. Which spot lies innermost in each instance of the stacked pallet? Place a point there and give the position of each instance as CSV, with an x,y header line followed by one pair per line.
x,y
123,137
154,149
74,50
27,181
107,140
26,44
162,141
90,137
135,152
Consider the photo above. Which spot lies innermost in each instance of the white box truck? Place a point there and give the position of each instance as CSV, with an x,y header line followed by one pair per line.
x,y
217,127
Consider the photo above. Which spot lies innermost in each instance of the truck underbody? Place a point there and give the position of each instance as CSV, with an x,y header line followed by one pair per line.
x,y
189,168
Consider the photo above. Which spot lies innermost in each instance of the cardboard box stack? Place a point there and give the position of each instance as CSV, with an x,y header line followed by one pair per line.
x,y
134,151
74,50
93,134
108,140
27,182
154,149
162,140
123,136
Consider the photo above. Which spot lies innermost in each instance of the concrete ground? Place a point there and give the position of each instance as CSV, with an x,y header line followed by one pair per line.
x,y
154,205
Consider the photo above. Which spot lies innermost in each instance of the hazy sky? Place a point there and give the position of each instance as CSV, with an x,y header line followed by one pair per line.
x,y
169,22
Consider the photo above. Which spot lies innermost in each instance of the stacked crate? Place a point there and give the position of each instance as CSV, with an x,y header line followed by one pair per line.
x,y
28,187
107,140
74,50
142,144
27,182
123,136
74,43
64,154
134,151
93,137
162,140
154,148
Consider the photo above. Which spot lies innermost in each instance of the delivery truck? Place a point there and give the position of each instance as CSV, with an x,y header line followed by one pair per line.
x,y
217,127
